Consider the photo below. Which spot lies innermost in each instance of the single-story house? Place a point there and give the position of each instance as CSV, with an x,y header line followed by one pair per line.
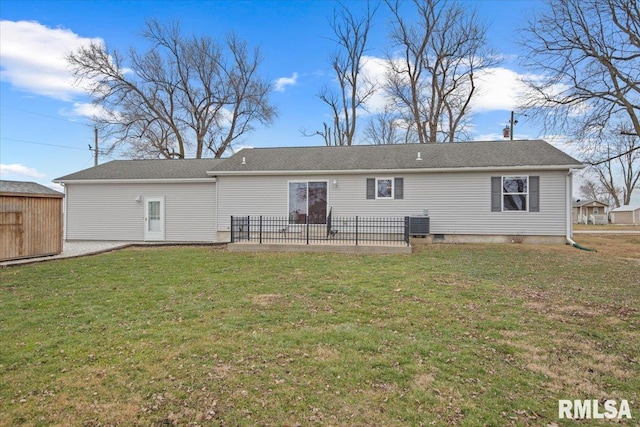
x,y
472,191
626,215
589,211
30,220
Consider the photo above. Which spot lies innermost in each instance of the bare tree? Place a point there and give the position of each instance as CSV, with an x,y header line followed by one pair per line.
x,y
616,167
432,80
386,127
186,95
354,89
595,191
584,62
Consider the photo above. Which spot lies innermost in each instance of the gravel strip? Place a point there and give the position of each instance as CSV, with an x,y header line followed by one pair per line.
x,y
72,249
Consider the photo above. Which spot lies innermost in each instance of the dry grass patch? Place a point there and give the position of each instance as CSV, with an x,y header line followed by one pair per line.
x,y
623,246
451,335
268,300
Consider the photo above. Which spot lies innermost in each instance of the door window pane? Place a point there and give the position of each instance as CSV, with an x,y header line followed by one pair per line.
x,y
308,199
317,202
297,202
154,216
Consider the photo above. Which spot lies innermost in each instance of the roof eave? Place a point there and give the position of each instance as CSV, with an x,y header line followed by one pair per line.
x,y
134,181
43,195
568,167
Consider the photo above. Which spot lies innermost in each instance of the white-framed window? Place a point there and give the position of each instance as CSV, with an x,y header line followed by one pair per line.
x,y
308,202
384,188
596,211
515,193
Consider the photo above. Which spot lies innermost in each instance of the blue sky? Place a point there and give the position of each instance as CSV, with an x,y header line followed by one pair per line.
x,y
44,129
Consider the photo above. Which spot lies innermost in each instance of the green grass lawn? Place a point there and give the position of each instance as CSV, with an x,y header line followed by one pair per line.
x,y
449,335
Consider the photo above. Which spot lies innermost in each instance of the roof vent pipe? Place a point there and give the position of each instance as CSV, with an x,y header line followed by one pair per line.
x,y
419,158
244,161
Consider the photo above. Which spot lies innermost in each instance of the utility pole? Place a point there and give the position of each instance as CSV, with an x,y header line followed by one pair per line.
x,y
95,147
507,132
95,140
510,133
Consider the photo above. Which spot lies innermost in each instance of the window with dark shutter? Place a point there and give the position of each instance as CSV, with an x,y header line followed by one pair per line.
x,y
399,188
534,194
496,194
371,188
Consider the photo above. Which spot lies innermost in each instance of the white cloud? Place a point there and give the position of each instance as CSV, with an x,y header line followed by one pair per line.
x,y
282,83
33,58
91,111
19,170
374,70
55,186
498,89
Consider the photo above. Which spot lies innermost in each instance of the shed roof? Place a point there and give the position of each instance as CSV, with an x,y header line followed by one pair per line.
x,y
27,188
485,154
145,169
626,208
581,202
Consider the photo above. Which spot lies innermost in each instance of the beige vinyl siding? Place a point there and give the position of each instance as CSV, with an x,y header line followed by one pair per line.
x,y
111,212
626,217
458,203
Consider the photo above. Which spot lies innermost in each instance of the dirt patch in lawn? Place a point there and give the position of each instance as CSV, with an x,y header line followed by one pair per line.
x,y
268,300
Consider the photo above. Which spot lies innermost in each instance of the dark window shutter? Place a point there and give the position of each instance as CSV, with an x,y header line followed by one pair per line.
x,y
534,194
371,188
496,194
398,190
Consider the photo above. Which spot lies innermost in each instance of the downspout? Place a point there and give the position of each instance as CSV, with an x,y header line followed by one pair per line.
x,y
65,213
569,226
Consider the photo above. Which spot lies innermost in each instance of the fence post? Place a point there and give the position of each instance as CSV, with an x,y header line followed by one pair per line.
x,y
406,230
307,226
356,230
232,229
260,229
248,228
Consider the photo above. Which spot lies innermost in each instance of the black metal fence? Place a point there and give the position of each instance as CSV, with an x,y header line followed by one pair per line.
x,y
337,230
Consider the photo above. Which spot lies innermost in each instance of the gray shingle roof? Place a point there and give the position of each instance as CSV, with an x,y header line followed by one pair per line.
x,y
358,157
24,187
394,157
145,169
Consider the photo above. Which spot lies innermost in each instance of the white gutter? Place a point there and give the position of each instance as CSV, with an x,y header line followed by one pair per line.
x,y
569,200
569,189
135,181
65,213
395,171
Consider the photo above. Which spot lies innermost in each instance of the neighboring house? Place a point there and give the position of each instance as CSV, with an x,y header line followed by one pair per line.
x,y
476,191
589,211
30,220
626,215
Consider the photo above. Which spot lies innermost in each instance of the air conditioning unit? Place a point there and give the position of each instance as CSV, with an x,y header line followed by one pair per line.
x,y
419,226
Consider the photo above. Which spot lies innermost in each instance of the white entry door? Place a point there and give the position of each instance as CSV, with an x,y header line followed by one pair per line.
x,y
154,218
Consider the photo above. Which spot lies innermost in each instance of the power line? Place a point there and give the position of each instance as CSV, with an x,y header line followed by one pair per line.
x,y
42,143
45,115
101,152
